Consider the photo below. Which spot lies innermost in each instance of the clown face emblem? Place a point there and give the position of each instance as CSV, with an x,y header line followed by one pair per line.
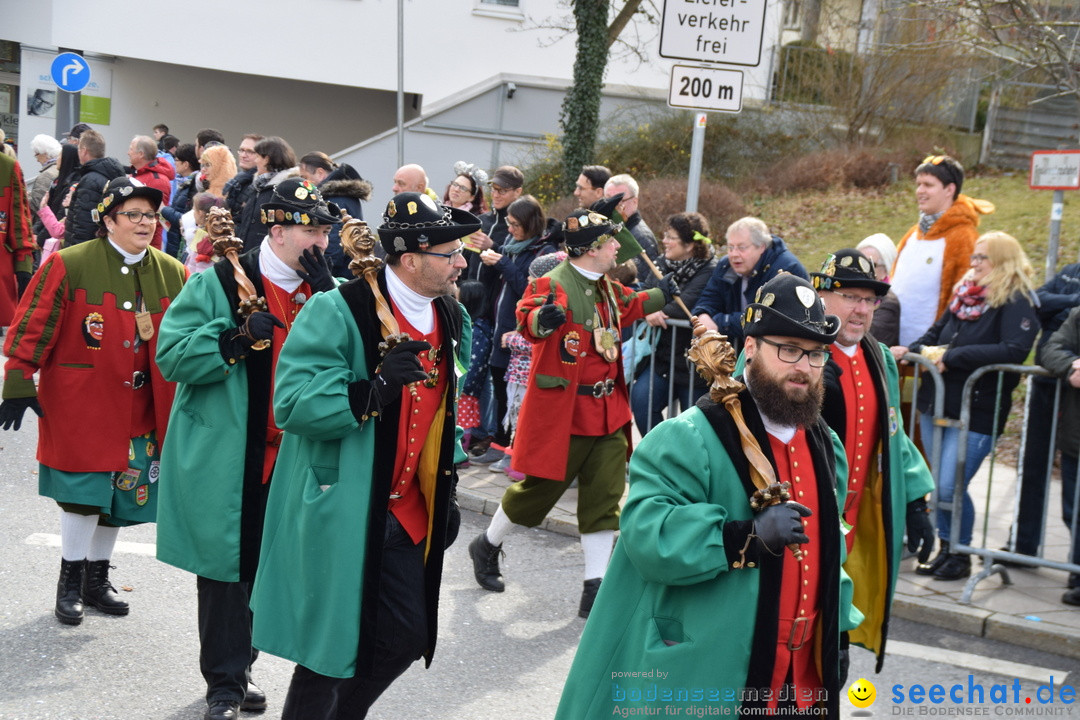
x,y
571,346
93,330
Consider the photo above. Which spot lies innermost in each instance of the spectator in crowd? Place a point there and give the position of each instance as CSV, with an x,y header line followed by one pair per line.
x,y
343,186
167,149
95,171
275,161
217,167
933,255
239,189
410,178
888,480
688,252
575,417
151,171
1057,298
98,307
199,249
466,190
46,151
880,250
627,209
72,136
511,263
187,167
590,184
66,176
991,319
692,549
377,563
160,131
754,257
16,238
215,473
473,297
1061,356
207,137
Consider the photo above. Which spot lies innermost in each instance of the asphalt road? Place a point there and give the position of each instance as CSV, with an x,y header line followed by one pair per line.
x,y
500,656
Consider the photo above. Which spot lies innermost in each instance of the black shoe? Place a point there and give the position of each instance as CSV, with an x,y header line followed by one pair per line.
x,y
931,567
955,567
255,700
485,562
98,592
588,597
1072,597
69,605
222,710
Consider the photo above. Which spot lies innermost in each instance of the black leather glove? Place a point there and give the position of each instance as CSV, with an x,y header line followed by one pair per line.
x,y
780,525
235,343
317,271
550,316
22,279
669,287
11,411
399,368
920,530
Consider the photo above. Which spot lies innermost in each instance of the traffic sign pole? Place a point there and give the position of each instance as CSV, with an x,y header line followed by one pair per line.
x,y
697,151
1057,209
1057,170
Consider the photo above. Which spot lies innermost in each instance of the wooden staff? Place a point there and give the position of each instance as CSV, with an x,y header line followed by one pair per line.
x,y
358,242
220,228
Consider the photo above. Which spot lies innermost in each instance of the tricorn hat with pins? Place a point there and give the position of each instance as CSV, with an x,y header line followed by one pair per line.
x,y
413,222
848,268
584,229
789,306
120,189
298,202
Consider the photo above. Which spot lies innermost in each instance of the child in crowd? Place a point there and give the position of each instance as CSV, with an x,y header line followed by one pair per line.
x,y
473,296
200,251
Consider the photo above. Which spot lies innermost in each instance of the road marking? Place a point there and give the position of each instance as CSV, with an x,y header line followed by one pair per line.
x,y
975,662
130,548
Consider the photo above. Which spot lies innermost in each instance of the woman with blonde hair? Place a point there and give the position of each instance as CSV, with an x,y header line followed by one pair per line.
x,y
218,167
991,319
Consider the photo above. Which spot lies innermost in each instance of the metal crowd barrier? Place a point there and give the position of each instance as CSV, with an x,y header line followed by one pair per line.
x,y
674,327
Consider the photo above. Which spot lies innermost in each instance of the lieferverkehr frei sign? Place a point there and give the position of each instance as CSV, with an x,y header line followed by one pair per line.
x,y
714,31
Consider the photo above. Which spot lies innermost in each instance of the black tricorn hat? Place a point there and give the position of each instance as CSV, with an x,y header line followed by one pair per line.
x,y
789,306
848,268
606,206
298,202
584,227
413,221
120,189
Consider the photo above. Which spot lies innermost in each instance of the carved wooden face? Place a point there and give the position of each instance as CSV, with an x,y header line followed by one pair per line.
x,y
219,223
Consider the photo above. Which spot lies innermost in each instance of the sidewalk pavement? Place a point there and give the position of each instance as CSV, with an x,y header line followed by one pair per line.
x,y
1027,612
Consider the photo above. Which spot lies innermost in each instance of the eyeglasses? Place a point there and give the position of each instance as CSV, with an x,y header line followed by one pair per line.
x,y
496,190
738,248
793,353
511,222
451,257
871,302
462,188
245,151
137,216
979,258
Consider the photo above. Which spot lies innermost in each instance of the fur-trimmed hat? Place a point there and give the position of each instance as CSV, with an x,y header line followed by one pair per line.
x,y
413,222
848,268
584,229
789,306
298,202
117,191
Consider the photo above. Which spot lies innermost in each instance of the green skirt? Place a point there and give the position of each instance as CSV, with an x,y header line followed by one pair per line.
x,y
125,498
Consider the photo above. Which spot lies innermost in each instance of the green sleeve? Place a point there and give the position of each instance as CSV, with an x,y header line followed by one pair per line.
x,y
188,350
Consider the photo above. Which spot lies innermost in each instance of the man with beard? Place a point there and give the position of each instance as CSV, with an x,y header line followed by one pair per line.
x,y
361,506
692,549
575,418
888,480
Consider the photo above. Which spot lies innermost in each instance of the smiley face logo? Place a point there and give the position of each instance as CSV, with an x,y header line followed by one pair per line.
x,y
862,693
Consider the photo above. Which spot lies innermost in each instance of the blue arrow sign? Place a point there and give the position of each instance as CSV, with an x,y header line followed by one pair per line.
x,y
70,72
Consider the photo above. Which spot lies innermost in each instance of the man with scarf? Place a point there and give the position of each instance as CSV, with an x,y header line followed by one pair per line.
x,y
888,480
361,508
215,472
575,417
741,605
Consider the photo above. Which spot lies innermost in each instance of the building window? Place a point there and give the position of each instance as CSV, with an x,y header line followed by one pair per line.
x,y
505,9
511,3
792,19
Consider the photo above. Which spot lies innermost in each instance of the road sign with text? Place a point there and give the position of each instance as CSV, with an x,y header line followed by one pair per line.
x,y
715,31
1055,170
706,88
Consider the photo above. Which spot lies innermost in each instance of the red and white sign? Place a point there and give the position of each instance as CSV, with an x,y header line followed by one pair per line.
x,y
1055,170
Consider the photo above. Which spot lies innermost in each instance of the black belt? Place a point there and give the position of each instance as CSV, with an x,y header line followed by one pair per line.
x,y
597,389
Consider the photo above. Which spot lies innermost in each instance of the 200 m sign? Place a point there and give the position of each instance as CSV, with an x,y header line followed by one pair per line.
x,y
705,88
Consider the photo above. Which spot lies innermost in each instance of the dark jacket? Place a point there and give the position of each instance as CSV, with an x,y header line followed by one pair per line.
x,y
720,298
513,271
1057,298
647,240
689,292
237,191
1057,355
493,224
1003,334
92,178
159,175
250,227
181,203
886,325
346,188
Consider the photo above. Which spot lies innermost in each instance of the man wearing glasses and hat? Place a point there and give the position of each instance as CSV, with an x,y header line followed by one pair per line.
x,y
935,253
575,418
215,472
89,323
888,479
361,507
693,548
